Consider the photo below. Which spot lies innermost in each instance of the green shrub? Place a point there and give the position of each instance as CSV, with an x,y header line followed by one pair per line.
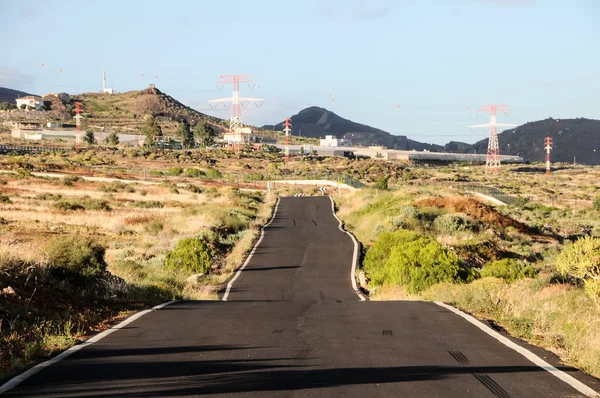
x,y
148,204
508,269
214,173
117,186
83,204
48,196
5,199
412,260
154,227
192,255
194,173
156,173
596,203
194,189
70,180
76,255
450,223
143,192
175,171
581,261
382,183
174,190
68,205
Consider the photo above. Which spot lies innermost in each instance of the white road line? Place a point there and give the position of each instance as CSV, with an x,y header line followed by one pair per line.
x,y
15,381
570,380
354,256
262,235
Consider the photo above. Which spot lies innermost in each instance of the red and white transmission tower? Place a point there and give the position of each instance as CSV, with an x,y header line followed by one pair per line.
x,y
78,117
237,102
548,147
492,162
287,130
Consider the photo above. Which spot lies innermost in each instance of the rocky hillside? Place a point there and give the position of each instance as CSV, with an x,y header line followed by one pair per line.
x,y
125,111
10,95
573,138
318,122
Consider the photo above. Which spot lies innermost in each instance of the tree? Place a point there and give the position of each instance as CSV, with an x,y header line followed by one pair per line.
x,y
23,107
184,132
113,139
151,130
4,106
205,134
89,137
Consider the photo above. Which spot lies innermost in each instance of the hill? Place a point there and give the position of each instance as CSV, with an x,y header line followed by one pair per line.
x,y
315,122
126,111
572,138
9,95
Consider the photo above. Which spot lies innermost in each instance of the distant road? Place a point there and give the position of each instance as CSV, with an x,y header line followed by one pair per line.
x,y
293,326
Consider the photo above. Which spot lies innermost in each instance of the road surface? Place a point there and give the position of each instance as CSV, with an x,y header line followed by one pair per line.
x,y
292,325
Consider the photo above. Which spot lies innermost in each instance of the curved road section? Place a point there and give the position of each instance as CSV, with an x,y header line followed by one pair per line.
x,y
292,325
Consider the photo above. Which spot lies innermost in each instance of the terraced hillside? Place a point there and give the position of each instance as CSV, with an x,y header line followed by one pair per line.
x,y
125,112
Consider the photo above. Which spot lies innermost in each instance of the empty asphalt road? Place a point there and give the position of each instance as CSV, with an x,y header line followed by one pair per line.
x,y
293,325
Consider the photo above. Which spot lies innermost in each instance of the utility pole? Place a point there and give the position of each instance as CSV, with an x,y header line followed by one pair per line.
x,y
287,130
237,102
492,163
77,118
548,147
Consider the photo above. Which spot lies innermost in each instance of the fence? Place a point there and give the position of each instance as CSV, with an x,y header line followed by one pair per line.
x,y
22,149
489,191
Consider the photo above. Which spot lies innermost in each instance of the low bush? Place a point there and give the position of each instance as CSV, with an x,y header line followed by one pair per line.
x,y
117,186
194,173
450,223
508,269
192,255
48,196
596,203
76,256
5,199
214,173
148,204
154,227
581,261
194,188
412,260
175,171
70,180
156,173
81,204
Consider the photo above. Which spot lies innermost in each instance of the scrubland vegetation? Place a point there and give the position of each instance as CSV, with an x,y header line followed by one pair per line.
x,y
531,268
76,254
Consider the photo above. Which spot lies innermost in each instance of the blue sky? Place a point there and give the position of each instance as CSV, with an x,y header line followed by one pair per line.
x,y
413,67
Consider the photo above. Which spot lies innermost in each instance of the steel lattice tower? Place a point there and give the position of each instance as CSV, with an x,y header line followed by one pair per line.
x,y
492,162
235,121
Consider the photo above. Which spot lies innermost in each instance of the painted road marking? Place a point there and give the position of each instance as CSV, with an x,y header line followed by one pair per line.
x,y
15,381
570,380
354,256
262,235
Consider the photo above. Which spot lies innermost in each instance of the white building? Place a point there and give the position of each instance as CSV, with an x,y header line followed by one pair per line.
x,y
238,137
30,101
332,141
